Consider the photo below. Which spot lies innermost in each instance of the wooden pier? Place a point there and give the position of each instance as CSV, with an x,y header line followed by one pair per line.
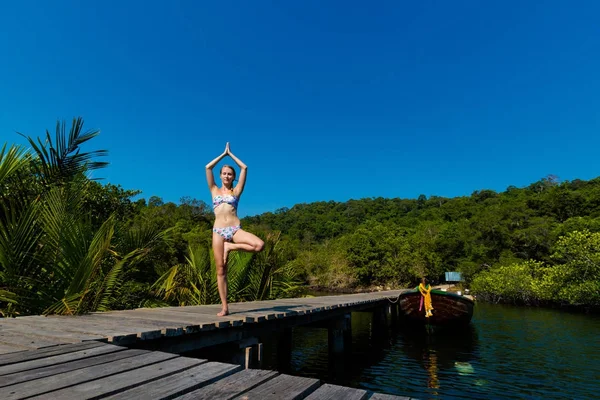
x,y
96,370
135,353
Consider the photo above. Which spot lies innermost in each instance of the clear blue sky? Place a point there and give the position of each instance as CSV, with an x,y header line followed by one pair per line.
x,y
324,100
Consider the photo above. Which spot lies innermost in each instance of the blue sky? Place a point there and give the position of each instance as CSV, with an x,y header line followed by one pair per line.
x,y
323,100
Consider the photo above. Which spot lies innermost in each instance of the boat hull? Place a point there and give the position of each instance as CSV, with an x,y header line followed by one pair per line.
x,y
448,308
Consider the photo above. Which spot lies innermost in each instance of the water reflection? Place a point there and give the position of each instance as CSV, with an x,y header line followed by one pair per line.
x,y
458,345
438,353
383,358
505,353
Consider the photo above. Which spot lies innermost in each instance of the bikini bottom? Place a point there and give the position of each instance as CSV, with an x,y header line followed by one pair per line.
x,y
227,232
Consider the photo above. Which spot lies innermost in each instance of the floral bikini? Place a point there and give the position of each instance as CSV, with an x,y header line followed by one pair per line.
x,y
226,232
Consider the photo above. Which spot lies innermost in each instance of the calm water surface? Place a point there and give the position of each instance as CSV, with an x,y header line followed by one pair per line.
x,y
506,353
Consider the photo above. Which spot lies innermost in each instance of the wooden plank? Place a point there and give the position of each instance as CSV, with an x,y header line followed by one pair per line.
x,y
291,306
6,348
273,305
38,373
108,328
152,329
75,377
167,328
143,329
206,316
179,383
45,332
301,302
209,312
113,333
277,310
233,319
21,356
58,359
23,340
113,384
294,309
210,315
256,317
282,387
334,392
258,311
381,396
190,322
231,386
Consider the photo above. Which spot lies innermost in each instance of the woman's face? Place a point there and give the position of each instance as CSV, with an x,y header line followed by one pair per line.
x,y
227,176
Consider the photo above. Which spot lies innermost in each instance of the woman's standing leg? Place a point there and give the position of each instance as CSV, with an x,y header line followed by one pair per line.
x,y
218,251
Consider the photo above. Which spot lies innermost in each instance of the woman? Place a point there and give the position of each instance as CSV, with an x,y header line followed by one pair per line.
x,y
228,234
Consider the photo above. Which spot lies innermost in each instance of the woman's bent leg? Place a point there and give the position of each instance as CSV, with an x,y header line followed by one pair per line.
x,y
244,241
218,250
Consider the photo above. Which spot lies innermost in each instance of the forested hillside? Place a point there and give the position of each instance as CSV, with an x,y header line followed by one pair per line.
x,y
379,241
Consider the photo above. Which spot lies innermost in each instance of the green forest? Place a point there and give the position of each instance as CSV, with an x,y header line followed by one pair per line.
x,y
70,244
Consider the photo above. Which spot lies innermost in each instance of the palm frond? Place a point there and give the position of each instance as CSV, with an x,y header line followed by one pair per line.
x,y
7,302
89,266
19,236
59,162
191,283
110,284
143,237
270,274
67,235
66,306
239,266
165,285
11,160
153,303
203,275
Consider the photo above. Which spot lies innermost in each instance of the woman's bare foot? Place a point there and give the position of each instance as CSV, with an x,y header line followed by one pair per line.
x,y
223,312
226,250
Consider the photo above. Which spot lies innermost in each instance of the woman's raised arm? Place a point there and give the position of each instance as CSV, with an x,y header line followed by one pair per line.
x,y
239,188
210,177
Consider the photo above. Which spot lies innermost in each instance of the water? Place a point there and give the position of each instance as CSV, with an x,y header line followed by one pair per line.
x,y
506,353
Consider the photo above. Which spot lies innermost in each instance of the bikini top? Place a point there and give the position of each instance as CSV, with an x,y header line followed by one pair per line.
x,y
227,199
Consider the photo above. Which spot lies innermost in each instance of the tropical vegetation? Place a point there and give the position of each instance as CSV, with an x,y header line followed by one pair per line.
x,y
70,244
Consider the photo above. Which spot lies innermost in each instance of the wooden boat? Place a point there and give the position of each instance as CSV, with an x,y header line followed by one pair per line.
x,y
448,308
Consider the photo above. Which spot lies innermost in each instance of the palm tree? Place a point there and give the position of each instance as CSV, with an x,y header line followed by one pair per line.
x,y
17,228
12,160
271,275
61,160
195,281
87,265
250,276
52,259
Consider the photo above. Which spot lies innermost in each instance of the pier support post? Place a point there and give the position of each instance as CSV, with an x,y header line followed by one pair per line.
x,y
284,349
248,353
393,311
339,343
379,323
340,335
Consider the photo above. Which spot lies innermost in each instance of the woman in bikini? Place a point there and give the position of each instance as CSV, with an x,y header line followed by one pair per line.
x,y
228,234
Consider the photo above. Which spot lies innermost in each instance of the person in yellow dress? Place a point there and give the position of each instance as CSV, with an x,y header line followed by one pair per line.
x,y
425,290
